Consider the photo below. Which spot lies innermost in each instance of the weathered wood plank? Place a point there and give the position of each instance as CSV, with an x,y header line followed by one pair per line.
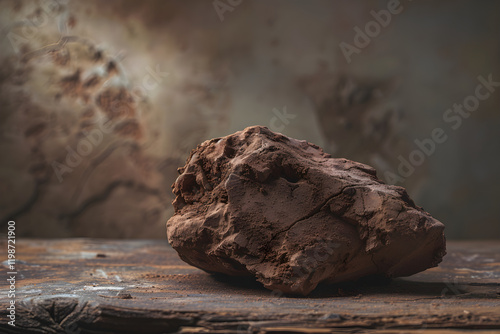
x,y
106,286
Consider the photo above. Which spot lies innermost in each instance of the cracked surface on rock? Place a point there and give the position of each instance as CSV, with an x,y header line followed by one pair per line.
x,y
263,204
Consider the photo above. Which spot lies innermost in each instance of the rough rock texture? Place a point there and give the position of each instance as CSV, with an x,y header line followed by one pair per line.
x,y
260,203
89,149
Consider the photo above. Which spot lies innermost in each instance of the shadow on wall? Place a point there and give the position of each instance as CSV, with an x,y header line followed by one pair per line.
x,y
101,102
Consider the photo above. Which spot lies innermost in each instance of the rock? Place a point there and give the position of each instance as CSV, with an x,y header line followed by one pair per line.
x,y
259,203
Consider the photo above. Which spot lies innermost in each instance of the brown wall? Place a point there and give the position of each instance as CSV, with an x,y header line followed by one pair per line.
x,y
130,87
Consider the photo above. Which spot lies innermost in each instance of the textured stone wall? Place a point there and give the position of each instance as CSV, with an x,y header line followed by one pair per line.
x,y
102,101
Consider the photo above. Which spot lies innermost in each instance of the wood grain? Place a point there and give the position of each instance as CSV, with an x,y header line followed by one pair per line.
x,y
110,286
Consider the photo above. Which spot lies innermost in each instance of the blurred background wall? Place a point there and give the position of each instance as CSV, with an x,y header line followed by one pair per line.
x,y
101,101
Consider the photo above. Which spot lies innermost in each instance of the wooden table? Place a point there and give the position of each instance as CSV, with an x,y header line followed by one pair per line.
x,y
112,286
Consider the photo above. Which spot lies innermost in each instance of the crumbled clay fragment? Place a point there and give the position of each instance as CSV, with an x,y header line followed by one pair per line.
x,y
261,204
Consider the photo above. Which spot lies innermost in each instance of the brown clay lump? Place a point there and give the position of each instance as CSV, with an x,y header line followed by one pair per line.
x,y
258,203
